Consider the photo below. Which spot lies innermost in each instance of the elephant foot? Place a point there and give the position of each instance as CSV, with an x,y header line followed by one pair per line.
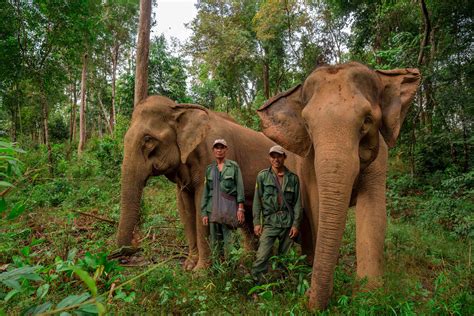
x,y
371,283
190,263
315,303
202,265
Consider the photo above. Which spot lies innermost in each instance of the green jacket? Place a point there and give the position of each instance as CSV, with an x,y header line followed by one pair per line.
x,y
230,182
267,211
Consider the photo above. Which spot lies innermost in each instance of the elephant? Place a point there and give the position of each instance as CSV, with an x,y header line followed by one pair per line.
x,y
175,140
341,121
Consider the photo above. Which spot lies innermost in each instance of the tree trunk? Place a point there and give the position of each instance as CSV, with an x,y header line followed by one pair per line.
x,y
108,122
266,79
82,111
115,55
44,114
72,127
143,45
426,33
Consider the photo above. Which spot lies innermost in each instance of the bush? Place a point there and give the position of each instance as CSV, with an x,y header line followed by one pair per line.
x,y
451,205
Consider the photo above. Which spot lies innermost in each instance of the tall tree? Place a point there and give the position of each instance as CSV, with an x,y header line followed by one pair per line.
x,y
82,110
143,46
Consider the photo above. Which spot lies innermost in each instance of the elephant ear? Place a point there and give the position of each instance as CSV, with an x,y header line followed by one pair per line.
x,y
399,88
192,126
282,121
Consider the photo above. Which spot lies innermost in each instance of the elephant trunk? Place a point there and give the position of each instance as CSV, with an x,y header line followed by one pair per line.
x,y
335,174
131,192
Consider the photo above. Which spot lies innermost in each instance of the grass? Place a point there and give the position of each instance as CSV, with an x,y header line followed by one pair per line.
x,y
427,269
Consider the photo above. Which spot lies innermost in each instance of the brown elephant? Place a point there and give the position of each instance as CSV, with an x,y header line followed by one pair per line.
x,y
342,120
175,140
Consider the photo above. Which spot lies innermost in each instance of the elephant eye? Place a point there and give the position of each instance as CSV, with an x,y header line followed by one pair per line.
x,y
367,123
149,142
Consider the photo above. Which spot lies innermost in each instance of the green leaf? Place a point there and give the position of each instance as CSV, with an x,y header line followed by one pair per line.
x,y
32,277
12,284
89,308
6,184
73,300
71,254
3,205
86,278
267,295
42,291
18,273
11,294
101,308
16,211
38,309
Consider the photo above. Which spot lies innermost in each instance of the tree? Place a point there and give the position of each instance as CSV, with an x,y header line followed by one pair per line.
x,y
143,46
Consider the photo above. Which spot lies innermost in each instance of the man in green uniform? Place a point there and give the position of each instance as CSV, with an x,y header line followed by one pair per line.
x,y
277,209
222,204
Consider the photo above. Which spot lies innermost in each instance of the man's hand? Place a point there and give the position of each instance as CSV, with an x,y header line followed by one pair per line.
x,y
240,216
257,230
205,220
294,232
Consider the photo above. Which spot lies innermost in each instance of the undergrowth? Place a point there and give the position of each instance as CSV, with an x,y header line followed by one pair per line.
x,y
54,253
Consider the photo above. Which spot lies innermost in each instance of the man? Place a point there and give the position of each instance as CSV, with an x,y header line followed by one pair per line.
x,y
277,209
222,197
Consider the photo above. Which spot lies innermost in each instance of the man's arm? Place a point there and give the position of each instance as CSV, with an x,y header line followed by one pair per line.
x,y
240,187
298,210
205,196
257,202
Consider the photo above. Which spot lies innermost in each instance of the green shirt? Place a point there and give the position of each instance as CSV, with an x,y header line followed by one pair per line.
x,y
230,182
267,210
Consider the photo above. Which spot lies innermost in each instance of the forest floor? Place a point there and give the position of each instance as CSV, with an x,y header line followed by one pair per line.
x,y
426,271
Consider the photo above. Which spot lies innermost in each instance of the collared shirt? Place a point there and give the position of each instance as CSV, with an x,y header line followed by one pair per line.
x,y
266,208
230,182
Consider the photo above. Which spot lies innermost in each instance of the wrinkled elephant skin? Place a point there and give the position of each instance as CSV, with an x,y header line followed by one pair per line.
x,y
342,120
175,140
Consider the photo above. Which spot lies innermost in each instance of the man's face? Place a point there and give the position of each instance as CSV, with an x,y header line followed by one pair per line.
x,y
277,160
219,151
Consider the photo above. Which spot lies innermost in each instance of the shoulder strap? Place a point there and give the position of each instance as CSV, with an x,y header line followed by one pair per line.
x,y
277,183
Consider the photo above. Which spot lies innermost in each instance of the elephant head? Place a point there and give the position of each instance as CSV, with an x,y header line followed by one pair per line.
x,y
338,112
160,138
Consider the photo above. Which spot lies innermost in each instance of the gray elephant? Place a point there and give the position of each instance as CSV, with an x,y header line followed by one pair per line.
x,y
175,140
342,120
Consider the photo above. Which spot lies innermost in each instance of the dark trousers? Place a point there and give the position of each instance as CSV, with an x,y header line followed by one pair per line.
x,y
265,247
221,240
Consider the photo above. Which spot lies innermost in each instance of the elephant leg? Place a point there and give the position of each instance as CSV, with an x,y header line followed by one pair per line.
x,y
250,240
309,224
187,214
371,221
202,233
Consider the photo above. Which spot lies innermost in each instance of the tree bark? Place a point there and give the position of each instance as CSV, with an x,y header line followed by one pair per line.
x,y
108,122
115,55
426,33
72,129
143,46
82,111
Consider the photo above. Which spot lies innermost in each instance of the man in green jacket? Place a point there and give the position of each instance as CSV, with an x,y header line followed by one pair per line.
x,y
277,209
222,199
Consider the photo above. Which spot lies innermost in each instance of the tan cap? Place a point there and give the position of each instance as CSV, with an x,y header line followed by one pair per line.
x,y
219,141
277,149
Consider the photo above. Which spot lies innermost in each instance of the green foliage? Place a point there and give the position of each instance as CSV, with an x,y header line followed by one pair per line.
x,y
34,282
11,169
451,206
